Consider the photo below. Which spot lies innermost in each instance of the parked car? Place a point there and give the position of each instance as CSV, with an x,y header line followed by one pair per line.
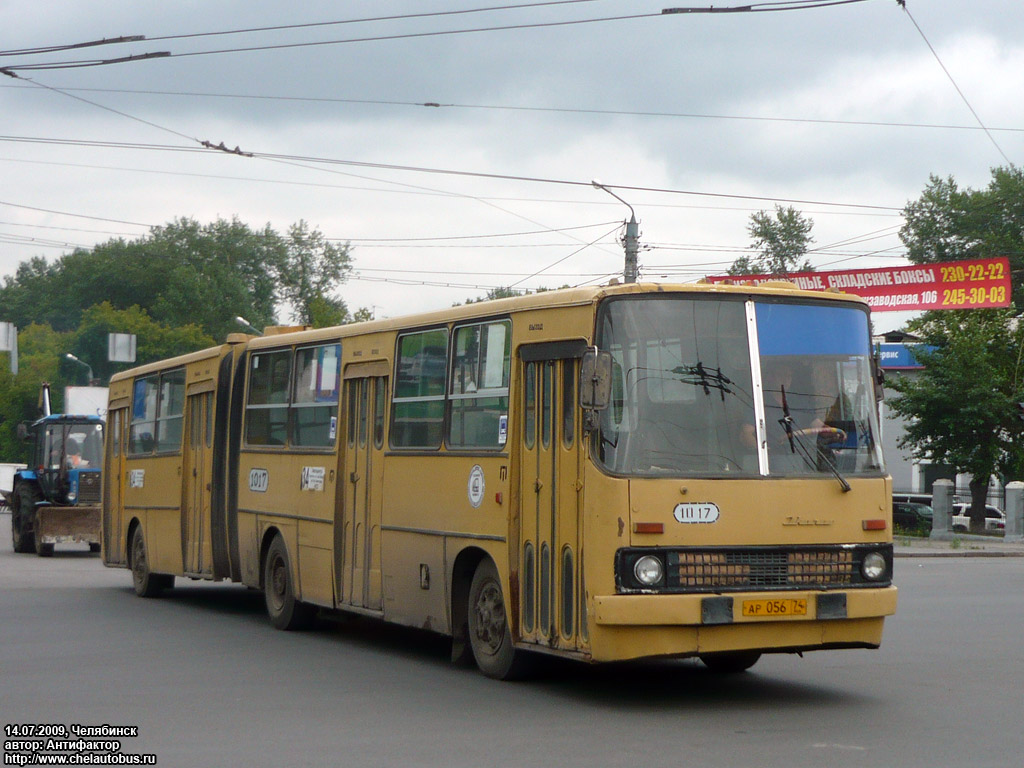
x,y
911,516
995,519
913,498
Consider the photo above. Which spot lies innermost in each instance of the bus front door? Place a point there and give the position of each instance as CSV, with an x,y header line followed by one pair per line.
x,y
197,554
550,495
358,547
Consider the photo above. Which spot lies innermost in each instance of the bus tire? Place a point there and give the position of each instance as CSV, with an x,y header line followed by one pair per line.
x,y
146,583
24,541
730,663
490,636
284,610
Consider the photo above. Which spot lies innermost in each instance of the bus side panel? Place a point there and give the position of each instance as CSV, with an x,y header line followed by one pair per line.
x,y
316,556
153,494
605,530
298,490
430,499
414,589
248,545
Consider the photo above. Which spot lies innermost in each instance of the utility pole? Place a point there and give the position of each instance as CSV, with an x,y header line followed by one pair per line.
x,y
631,241
632,245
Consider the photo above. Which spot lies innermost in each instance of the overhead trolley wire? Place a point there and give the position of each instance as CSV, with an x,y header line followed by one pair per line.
x,y
455,172
755,8
394,17
963,97
75,215
527,108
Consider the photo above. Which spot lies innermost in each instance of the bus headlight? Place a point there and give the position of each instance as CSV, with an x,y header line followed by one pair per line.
x,y
648,570
874,566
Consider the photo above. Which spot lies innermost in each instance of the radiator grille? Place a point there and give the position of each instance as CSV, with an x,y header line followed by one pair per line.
x,y
89,488
760,569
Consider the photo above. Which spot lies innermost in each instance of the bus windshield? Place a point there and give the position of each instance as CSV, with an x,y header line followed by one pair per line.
x,y
695,394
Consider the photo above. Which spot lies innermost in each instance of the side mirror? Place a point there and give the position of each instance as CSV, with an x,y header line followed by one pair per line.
x,y
879,376
595,380
22,431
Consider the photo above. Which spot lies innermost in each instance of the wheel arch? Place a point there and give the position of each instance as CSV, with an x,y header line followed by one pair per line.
x,y
135,523
460,580
269,535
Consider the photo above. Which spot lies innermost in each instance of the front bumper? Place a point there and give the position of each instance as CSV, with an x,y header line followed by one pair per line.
x,y
58,525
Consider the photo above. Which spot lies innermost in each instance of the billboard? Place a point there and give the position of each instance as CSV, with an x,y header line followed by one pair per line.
x,y
973,284
86,401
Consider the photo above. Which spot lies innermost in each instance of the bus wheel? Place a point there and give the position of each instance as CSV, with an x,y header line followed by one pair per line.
x,y
730,663
24,541
284,610
146,584
489,633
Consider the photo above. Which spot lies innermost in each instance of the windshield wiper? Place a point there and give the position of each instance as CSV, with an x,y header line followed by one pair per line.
x,y
796,438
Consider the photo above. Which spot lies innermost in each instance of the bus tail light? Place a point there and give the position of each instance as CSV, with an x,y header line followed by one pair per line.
x,y
874,525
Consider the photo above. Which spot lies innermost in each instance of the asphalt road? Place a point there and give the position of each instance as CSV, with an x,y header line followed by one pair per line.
x,y
207,682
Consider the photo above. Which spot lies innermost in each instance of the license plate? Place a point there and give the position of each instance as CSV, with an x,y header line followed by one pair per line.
x,y
781,607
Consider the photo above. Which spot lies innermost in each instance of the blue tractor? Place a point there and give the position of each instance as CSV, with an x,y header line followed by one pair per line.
x,y
57,497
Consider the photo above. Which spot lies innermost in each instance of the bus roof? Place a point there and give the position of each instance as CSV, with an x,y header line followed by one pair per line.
x,y
563,297
68,418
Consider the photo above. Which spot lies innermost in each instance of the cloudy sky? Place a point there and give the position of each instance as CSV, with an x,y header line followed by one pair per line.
x,y
697,120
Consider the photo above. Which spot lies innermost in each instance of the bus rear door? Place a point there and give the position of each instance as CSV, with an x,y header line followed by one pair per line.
x,y
362,464
197,553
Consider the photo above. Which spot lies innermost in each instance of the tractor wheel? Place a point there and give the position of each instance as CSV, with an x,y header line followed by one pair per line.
x,y
23,536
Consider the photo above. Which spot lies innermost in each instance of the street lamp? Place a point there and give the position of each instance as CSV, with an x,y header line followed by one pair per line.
x,y
245,324
88,367
632,239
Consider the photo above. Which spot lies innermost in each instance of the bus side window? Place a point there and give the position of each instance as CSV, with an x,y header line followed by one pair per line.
x,y
171,411
417,412
314,406
266,414
478,395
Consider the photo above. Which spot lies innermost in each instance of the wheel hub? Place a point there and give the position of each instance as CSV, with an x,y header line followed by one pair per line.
x,y
490,617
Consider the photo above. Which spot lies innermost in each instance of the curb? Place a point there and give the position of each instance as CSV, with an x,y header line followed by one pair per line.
x,y
956,553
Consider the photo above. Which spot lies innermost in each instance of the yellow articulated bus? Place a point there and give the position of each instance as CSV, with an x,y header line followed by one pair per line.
x,y
599,473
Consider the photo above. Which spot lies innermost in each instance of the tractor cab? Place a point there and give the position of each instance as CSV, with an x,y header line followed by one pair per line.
x,y
67,458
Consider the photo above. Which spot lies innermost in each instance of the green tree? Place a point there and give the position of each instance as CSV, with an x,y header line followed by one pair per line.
x,y
948,223
154,341
40,353
503,292
180,274
215,273
311,271
42,357
961,409
780,241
